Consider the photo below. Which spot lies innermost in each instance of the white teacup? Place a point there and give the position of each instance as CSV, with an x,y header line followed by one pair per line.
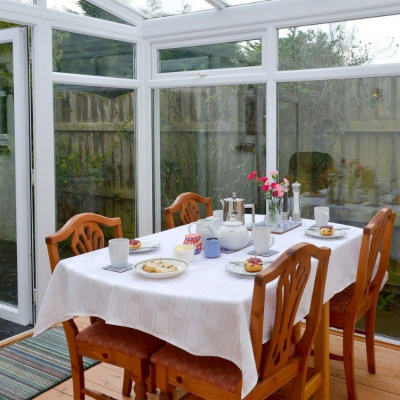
x,y
119,252
262,239
321,215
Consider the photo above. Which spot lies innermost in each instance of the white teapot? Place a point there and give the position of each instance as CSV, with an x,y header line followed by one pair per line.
x,y
202,226
233,234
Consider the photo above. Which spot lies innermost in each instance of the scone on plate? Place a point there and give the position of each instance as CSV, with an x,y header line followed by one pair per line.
x,y
134,244
326,230
253,264
159,267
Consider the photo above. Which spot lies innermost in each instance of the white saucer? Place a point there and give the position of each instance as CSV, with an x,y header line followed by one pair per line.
x,y
317,234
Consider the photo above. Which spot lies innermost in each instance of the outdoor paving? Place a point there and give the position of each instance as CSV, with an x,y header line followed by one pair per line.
x,y
8,273
9,329
8,287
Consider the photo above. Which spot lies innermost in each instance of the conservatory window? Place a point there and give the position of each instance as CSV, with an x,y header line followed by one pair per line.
x,y
340,44
212,56
83,7
209,137
95,155
338,138
89,55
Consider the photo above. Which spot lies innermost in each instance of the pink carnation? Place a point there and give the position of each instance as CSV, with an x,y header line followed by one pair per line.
x,y
263,179
286,182
280,194
274,185
265,187
252,175
278,187
275,194
272,173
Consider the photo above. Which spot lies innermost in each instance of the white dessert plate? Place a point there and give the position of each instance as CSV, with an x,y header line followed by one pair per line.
x,y
181,264
315,233
146,246
238,267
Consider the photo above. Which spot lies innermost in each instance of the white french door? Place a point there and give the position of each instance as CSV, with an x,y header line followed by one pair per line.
x,y
15,187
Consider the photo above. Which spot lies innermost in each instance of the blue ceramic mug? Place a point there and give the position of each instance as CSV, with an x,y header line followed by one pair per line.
x,y
212,247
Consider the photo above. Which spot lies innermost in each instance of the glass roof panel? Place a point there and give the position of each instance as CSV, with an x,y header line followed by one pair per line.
x,y
240,2
83,7
163,8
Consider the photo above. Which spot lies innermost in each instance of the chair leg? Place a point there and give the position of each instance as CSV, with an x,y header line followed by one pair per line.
x,y
369,338
127,383
78,378
140,390
348,358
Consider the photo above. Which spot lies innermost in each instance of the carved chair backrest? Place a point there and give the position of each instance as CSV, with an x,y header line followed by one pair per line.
x,y
187,206
377,238
292,271
85,231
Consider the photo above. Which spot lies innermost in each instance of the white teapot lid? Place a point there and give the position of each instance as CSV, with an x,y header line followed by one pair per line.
x,y
232,222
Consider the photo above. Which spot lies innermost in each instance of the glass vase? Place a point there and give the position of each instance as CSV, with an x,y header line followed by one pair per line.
x,y
273,212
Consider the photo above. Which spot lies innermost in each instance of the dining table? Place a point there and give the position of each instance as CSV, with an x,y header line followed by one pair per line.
x,y
205,308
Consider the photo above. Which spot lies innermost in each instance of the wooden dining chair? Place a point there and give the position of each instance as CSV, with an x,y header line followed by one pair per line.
x,y
361,297
121,346
280,361
187,206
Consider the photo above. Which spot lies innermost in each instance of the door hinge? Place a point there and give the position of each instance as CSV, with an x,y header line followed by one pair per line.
x,y
30,54
33,178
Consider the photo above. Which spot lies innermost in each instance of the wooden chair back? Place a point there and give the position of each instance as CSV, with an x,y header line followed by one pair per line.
x,y
292,271
187,206
377,238
85,233
280,361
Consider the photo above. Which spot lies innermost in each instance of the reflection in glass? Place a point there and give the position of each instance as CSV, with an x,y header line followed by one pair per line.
x,y
83,7
211,137
89,55
8,223
340,140
95,153
222,55
346,43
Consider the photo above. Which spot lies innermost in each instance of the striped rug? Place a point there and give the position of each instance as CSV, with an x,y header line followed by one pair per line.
x,y
34,365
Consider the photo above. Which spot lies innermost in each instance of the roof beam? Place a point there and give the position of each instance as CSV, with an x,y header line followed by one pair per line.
x,y
218,4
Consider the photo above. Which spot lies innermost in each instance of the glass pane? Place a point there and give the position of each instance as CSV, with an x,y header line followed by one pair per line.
x,y
240,2
212,56
163,8
95,153
82,7
89,55
340,44
8,227
340,140
211,138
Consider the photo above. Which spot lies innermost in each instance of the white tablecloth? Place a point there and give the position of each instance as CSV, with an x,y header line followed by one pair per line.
x,y
205,310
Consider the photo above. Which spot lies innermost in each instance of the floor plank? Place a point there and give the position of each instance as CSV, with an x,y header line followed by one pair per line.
x,y
385,384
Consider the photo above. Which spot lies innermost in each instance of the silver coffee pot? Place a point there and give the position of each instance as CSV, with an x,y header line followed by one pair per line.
x,y
234,208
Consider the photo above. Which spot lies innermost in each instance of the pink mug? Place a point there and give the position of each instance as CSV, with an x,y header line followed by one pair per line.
x,y
193,238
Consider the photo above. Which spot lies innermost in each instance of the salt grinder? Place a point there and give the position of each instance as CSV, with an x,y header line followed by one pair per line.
x,y
296,201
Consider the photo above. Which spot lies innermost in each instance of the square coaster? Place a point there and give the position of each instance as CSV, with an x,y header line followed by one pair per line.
x,y
267,254
123,269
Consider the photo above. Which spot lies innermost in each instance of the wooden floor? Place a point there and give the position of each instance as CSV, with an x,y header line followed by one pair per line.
x,y
384,385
